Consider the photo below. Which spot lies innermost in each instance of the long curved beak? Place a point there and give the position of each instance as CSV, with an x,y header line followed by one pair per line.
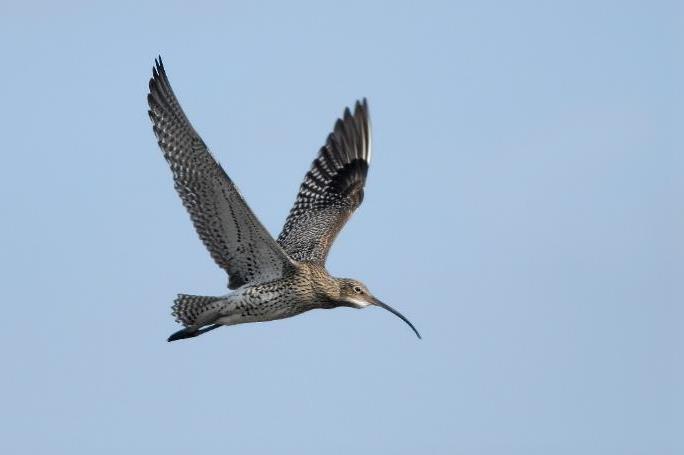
x,y
377,302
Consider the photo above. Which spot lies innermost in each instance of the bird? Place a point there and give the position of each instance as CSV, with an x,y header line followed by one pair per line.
x,y
268,279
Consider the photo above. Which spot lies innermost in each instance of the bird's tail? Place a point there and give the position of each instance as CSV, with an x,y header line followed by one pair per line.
x,y
187,308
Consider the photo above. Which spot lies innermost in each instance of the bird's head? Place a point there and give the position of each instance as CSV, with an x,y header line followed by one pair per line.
x,y
355,294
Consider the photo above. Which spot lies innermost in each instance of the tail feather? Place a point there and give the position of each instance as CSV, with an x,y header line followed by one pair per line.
x,y
187,308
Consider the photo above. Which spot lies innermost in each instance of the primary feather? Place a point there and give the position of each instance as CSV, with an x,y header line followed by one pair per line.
x,y
332,189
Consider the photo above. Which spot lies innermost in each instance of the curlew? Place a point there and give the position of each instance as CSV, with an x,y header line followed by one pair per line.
x,y
269,279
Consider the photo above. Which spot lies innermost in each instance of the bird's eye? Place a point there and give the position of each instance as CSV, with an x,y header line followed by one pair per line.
x,y
358,289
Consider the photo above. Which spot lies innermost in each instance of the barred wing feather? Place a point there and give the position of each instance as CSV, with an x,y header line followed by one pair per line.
x,y
332,189
235,238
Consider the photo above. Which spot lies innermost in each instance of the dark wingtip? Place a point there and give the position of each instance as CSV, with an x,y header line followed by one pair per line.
x,y
158,71
361,105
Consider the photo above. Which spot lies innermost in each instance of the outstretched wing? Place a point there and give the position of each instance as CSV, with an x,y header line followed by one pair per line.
x,y
231,232
331,190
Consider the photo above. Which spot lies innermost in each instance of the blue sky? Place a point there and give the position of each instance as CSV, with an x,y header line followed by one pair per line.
x,y
523,209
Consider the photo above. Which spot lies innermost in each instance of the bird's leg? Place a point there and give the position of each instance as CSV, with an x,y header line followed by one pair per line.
x,y
191,333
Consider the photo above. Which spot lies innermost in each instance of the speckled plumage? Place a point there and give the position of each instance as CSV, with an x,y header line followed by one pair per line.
x,y
270,279
331,190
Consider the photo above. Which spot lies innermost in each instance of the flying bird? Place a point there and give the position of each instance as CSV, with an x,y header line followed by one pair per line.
x,y
269,279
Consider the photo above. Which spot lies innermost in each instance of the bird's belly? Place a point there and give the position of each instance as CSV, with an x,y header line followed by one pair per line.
x,y
248,313
260,305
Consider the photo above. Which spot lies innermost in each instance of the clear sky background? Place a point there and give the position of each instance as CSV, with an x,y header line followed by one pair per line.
x,y
524,209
